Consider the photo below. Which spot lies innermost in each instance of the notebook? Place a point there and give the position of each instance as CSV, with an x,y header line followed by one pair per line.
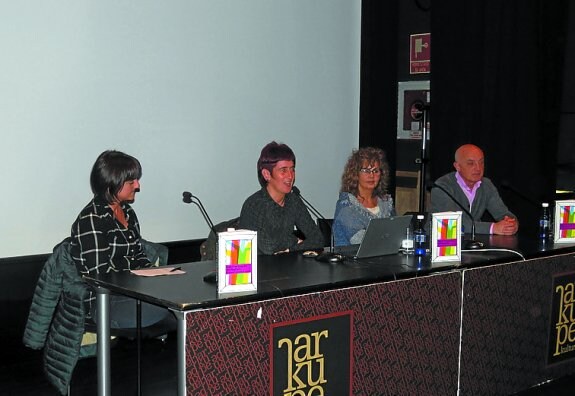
x,y
382,237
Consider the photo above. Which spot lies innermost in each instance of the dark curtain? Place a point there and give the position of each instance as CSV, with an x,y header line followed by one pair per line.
x,y
378,86
566,152
496,82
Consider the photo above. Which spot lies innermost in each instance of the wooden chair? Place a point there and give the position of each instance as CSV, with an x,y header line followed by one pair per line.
x,y
407,191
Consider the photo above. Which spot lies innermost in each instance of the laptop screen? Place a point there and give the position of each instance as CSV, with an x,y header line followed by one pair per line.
x,y
382,237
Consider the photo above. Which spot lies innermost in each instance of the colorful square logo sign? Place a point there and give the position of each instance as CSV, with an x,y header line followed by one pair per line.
x,y
445,236
564,227
237,261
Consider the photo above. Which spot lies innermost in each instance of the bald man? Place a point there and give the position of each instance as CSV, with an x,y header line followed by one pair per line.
x,y
475,192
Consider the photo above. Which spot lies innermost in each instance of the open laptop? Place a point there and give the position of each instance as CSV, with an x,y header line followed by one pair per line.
x,y
382,237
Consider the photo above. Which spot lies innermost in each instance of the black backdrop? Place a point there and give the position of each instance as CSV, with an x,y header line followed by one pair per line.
x,y
379,54
496,81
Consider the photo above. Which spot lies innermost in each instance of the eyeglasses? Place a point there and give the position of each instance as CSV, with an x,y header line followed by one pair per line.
x,y
373,171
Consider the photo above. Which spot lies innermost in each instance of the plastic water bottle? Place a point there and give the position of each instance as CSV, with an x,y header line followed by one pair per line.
x,y
419,237
544,221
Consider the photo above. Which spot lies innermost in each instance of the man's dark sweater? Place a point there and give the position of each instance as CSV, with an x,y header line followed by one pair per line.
x,y
487,199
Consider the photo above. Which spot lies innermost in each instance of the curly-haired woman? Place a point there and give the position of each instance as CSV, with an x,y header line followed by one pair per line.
x,y
363,195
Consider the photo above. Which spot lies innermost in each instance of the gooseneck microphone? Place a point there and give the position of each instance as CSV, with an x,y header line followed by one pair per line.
x,y
308,205
189,198
471,244
325,256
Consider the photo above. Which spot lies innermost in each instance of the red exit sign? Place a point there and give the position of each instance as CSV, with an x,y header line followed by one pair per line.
x,y
420,53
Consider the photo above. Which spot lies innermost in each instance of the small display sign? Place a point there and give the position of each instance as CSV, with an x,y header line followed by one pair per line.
x,y
564,225
446,237
237,261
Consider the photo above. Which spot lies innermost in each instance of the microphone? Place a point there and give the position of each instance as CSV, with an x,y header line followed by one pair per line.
x,y
309,206
330,256
471,244
188,197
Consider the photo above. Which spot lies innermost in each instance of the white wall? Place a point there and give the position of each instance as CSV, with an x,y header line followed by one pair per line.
x,y
193,88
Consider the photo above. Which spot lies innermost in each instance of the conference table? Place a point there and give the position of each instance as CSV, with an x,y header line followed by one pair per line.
x,y
499,321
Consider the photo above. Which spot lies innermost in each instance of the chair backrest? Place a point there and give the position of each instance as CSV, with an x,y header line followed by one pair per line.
x,y
208,248
156,253
325,226
406,191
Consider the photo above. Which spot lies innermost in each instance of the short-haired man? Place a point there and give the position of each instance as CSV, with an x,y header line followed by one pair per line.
x,y
468,186
274,211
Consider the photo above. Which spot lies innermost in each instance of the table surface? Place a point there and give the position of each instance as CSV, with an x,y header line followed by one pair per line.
x,y
292,274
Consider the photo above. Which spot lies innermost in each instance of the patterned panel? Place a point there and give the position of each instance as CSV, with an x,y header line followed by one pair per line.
x,y
506,312
405,338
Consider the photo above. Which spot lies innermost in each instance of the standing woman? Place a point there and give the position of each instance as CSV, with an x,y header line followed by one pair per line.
x,y
363,195
106,235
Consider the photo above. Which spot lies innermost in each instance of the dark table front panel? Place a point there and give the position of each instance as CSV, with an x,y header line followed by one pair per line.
x,y
405,338
506,325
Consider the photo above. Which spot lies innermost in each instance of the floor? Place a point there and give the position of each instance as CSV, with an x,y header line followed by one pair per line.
x,y
24,376
21,370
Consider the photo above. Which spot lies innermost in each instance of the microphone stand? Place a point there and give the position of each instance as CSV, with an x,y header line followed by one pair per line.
x,y
471,244
325,256
188,197
423,158
309,206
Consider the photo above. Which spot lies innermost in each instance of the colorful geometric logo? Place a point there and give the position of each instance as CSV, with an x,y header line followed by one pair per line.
x,y
447,236
567,221
238,261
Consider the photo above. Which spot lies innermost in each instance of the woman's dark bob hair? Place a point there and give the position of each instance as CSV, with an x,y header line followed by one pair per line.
x,y
109,173
271,154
